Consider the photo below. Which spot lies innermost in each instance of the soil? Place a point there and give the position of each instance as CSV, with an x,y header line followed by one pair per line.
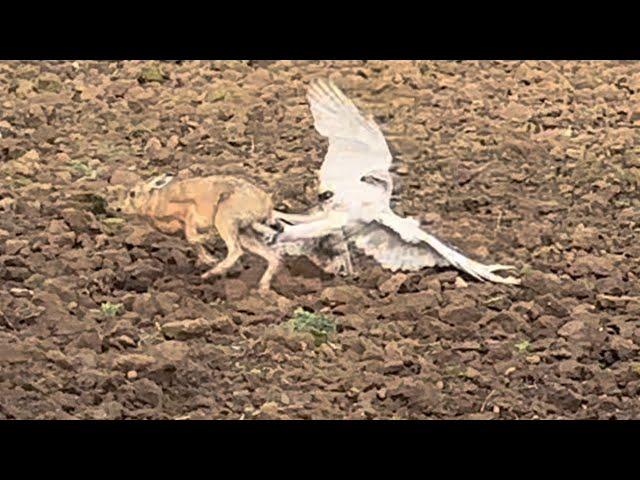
x,y
534,164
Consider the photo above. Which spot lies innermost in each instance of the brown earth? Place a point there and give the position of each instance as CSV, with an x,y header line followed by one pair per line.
x,y
534,164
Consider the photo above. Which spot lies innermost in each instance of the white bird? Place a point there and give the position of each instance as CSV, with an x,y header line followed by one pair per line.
x,y
356,186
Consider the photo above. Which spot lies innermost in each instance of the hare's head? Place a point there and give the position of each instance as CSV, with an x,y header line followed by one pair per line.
x,y
138,196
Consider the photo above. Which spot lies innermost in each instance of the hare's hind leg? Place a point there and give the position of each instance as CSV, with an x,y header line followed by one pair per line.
x,y
227,227
253,245
204,256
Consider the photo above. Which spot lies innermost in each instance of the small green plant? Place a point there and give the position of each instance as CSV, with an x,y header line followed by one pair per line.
x,y
113,220
49,85
21,181
215,95
522,346
317,324
526,270
110,309
83,169
152,73
112,225
452,371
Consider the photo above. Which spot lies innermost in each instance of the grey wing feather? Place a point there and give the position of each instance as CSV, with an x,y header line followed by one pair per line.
x,y
393,253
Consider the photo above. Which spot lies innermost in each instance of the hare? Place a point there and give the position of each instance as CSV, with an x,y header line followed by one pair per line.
x,y
241,212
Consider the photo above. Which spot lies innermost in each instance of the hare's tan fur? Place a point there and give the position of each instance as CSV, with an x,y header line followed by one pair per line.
x,y
237,209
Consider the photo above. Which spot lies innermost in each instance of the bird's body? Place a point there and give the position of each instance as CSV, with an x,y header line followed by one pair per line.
x,y
356,175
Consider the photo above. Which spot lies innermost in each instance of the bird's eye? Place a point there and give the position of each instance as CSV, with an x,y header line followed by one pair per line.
x,y
324,196
132,194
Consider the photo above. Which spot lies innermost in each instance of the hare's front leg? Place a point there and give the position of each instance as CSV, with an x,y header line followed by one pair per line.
x,y
228,230
192,236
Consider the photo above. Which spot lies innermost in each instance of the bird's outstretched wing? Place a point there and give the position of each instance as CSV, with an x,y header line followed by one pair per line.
x,y
356,144
413,248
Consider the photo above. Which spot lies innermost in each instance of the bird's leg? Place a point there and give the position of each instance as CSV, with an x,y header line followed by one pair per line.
x,y
339,246
294,218
267,233
342,263
345,254
333,222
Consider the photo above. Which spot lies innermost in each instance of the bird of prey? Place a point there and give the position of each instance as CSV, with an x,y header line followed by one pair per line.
x,y
356,186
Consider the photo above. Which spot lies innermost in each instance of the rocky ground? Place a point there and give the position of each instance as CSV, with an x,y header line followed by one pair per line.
x,y
534,164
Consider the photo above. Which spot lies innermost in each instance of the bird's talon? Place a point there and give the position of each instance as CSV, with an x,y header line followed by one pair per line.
x,y
272,239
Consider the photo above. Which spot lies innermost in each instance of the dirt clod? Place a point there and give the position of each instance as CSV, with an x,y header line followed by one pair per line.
x,y
184,329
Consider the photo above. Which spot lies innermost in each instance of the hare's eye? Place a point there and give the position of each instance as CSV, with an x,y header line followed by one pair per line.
x,y
132,194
